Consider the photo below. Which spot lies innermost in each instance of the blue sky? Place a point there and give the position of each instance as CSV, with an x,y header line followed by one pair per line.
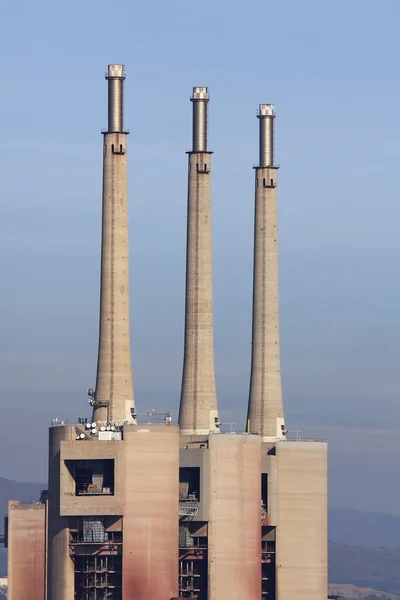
x,y
331,70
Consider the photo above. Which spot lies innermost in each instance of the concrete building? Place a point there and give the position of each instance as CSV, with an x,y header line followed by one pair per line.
x,y
294,528
198,413
156,511
113,505
25,538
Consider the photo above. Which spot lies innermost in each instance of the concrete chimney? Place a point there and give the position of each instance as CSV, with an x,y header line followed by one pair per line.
x,y
112,400
265,411
198,414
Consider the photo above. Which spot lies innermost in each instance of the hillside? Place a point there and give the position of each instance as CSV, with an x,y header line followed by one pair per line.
x,y
352,592
14,490
364,529
364,551
377,568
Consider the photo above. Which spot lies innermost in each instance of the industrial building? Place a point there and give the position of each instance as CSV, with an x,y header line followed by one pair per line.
x,y
141,510
25,538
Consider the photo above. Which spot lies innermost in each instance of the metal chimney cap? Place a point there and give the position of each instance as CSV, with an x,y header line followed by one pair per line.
x,y
116,71
200,93
266,110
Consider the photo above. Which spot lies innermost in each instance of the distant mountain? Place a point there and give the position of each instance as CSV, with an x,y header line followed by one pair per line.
x,y
364,550
377,568
352,592
364,529
13,490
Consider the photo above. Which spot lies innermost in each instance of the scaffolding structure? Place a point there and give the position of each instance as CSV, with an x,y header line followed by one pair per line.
x,y
97,555
268,570
193,565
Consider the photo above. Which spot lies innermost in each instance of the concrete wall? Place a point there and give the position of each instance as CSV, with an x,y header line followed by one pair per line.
x,y
230,502
234,540
60,568
72,505
150,547
301,534
146,497
26,551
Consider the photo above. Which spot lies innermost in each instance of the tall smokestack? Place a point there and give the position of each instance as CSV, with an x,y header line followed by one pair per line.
x,y
112,400
198,412
265,410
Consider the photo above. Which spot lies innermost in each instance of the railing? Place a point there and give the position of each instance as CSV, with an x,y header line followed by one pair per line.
x,y
299,438
109,537
230,426
257,166
188,505
89,570
268,548
183,497
189,588
106,130
59,423
154,418
149,418
197,546
94,492
188,511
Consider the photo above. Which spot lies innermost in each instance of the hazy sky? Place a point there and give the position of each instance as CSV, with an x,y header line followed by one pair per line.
x,y
331,68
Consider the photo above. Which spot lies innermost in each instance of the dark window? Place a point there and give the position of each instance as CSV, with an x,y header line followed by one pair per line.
x,y
264,490
189,483
92,477
6,532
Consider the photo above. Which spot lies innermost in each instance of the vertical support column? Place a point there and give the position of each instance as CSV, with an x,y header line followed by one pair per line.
x,y
113,399
265,411
60,566
198,413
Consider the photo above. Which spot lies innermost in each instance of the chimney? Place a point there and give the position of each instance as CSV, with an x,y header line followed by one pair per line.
x,y
113,400
265,410
198,414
